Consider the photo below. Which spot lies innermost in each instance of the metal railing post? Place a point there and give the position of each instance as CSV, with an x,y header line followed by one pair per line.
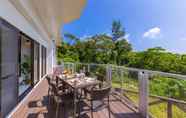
x,y
62,66
169,109
68,67
109,74
88,68
73,67
143,93
122,77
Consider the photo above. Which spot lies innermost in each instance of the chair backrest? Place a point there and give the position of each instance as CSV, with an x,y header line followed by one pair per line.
x,y
60,84
101,78
99,94
54,89
58,81
87,73
48,79
58,71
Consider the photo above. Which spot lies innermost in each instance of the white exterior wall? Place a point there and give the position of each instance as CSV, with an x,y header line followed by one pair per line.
x,y
51,57
9,13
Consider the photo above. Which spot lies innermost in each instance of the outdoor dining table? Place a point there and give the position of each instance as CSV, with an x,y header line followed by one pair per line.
x,y
77,83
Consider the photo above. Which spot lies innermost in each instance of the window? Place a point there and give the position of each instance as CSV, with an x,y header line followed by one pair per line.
x,y
36,62
25,78
9,37
43,49
19,65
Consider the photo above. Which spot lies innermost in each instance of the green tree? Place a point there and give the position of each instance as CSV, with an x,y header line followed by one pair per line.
x,y
71,37
115,49
122,47
117,30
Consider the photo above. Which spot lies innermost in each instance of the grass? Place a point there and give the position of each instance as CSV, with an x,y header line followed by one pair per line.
x,y
159,84
158,110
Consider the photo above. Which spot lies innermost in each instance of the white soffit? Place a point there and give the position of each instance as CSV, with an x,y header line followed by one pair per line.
x,y
47,16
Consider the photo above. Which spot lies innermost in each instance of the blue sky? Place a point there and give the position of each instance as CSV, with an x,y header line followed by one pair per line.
x,y
148,23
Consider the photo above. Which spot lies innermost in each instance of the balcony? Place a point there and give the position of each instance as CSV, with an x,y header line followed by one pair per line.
x,y
35,105
133,94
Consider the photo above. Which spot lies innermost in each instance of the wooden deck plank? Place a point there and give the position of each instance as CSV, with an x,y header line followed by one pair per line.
x,y
36,106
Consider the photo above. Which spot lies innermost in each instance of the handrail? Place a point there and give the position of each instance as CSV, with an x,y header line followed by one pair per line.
x,y
143,80
151,72
159,97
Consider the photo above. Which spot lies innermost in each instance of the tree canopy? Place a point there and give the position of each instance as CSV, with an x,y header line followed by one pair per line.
x,y
115,49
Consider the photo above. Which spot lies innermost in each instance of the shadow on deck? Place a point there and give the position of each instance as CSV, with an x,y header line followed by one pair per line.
x,y
35,105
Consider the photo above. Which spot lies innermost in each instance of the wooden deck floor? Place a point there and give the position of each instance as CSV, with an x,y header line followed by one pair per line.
x,y
35,105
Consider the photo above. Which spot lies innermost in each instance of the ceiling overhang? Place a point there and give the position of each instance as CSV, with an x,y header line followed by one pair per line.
x,y
48,16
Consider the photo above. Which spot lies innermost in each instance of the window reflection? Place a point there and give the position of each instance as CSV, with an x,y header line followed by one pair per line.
x,y
25,65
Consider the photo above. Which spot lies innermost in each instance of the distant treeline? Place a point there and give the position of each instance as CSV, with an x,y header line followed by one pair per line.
x,y
115,49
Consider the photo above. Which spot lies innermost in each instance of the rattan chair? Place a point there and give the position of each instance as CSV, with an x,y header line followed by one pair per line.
x,y
62,98
99,94
57,91
51,82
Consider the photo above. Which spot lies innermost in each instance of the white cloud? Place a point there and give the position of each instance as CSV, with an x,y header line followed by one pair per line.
x,y
178,51
152,33
108,34
128,40
126,37
85,37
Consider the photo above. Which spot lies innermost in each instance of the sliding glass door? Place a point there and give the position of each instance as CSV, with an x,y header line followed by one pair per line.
x,y
36,60
43,49
25,78
19,65
9,38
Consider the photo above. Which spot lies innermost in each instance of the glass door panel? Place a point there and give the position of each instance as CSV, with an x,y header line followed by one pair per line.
x,y
25,80
9,37
43,61
36,63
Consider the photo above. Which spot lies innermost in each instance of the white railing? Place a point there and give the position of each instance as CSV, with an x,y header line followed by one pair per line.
x,y
137,83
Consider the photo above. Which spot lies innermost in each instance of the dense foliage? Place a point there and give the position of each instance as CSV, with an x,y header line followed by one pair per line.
x,y
115,49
